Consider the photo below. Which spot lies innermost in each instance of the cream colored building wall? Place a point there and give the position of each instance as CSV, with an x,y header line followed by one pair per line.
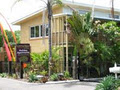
x,y
40,44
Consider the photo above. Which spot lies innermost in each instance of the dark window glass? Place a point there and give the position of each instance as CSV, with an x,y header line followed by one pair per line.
x,y
37,31
64,25
47,32
32,32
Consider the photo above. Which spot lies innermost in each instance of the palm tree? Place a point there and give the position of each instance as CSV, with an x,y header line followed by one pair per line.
x,y
81,28
49,4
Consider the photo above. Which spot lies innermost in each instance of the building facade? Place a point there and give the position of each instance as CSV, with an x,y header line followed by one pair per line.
x,y
34,28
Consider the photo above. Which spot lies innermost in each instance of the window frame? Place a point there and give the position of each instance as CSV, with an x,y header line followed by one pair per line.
x,y
40,31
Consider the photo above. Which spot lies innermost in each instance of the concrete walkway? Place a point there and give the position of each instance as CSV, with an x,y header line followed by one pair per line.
x,y
10,84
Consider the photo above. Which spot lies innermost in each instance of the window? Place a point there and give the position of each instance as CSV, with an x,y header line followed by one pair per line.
x,y
32,32
82,12
44,30
47,32
115,16
39,31
36,31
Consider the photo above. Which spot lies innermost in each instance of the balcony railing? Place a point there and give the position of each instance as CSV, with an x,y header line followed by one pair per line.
x,y
58,38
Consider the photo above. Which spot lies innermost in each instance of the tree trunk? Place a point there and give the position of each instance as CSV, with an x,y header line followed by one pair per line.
x,y
49,7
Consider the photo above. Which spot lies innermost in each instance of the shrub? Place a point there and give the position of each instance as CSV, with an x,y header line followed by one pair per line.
x,y
40,61
32,77
15,76
44,73
108,83
54,77
3,75
117,84
66,74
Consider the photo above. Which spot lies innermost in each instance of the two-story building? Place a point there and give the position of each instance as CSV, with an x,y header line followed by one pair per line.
x,y
32,30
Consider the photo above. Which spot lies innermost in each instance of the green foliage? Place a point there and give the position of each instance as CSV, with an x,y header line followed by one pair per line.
x,y
10,37
96,42
108,83
80,23
32,77
108,35
15,76
109,30
17,34
66,74
3,75
106,38
40,61
116,52
117,84
44,73
103,51
81,27
54,77
75,51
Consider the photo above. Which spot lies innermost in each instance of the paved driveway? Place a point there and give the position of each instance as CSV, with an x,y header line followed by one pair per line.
x,y
10,84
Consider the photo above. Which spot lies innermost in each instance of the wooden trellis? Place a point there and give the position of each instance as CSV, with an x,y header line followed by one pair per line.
x,y
60,38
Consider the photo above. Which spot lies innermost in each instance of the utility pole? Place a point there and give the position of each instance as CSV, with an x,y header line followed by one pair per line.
x,y
112,10
93,9
49,7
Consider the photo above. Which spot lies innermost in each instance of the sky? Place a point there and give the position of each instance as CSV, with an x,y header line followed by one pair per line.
x,y
25,7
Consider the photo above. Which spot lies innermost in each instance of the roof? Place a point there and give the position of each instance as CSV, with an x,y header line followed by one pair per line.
x,y
90,5
36,13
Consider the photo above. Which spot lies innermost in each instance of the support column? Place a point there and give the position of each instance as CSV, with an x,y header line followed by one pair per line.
x,y
67,68
21,70
10,67
62,25
74,69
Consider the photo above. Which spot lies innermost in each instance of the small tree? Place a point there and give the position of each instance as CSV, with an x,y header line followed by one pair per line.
x,y
81,27
17,34
106,42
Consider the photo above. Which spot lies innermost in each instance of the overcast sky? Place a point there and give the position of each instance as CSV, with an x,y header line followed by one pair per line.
x,y
26,7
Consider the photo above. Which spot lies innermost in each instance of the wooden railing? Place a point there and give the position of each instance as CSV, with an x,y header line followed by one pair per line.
x,y
58,38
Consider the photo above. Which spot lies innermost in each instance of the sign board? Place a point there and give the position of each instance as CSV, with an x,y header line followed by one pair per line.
x,y
23,53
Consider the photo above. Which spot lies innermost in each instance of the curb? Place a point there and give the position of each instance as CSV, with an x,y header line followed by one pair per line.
x,y
60,82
